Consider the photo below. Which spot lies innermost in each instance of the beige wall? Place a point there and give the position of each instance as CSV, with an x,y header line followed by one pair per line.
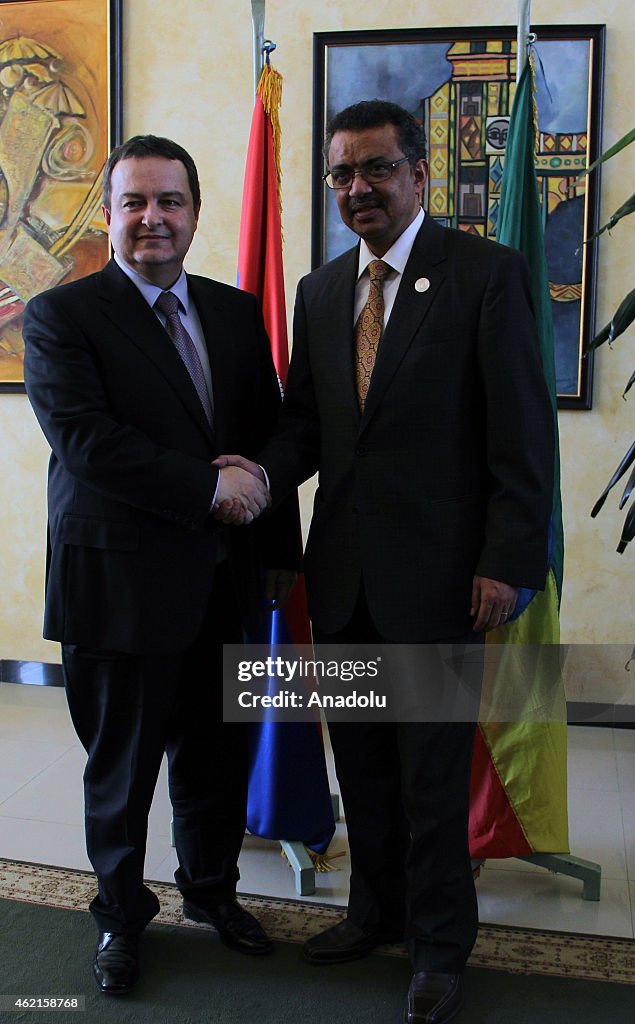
x,y
195,84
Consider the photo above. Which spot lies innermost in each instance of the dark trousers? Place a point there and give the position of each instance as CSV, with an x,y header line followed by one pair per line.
x,y
405,789
130,709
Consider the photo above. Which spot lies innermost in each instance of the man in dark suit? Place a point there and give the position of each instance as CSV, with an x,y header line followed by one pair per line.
x,y
431,428
139,375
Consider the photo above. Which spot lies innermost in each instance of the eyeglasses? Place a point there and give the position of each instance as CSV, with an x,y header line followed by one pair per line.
x,y
373,172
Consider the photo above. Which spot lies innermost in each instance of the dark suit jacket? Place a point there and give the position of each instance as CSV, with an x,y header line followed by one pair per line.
x,y
449,471
132,548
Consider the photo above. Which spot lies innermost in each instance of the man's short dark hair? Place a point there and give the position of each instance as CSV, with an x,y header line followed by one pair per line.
x,y
140,146
375,114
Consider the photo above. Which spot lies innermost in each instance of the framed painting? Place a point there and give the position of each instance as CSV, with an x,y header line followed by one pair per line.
x,y
460,83
60,114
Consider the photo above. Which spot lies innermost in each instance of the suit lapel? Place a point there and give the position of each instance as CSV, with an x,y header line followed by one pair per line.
x,y
124,305
339,302
409,311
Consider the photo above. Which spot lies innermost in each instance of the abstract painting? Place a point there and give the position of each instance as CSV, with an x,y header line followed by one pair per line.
x,y
59,114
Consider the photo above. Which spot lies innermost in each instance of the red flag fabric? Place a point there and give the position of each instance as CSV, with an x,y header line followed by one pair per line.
x,y
289,794
260,247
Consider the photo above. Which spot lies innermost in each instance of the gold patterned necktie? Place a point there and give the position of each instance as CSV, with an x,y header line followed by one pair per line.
x,y
368,329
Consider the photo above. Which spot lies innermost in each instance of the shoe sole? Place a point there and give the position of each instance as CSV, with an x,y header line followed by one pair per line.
x,y
347,958
191,915
113,991
411,1020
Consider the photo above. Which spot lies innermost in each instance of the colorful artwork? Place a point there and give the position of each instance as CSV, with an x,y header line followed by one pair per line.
x,y
460,83
58,109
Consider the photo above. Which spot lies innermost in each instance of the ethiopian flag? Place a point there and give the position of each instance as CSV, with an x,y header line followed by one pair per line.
x,y
519,776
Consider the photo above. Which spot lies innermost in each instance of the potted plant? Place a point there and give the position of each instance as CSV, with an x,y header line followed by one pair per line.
x,y
621,320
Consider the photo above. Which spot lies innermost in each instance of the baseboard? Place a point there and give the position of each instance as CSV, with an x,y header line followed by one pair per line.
x,y
34,673
616,716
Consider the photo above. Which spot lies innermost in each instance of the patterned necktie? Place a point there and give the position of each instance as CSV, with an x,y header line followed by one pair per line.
x,y
168,304
368,329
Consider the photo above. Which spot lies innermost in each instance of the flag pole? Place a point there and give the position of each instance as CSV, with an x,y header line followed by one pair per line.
x,y
522,37
258,19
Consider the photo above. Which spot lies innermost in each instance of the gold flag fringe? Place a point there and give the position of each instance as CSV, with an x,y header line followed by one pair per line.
x,y
322,862
270,92
532,66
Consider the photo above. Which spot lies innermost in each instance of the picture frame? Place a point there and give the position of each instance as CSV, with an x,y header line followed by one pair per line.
x,y
460,82
60,115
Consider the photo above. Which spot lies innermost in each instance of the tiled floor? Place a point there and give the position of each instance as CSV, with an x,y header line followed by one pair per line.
x,y
41,764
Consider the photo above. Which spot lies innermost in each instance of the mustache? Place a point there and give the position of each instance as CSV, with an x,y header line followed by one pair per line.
x,y
364,204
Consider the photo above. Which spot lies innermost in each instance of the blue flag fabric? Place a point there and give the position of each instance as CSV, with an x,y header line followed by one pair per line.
x,y
288,783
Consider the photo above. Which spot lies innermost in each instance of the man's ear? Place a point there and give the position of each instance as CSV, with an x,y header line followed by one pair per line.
x,y
106,212
420,171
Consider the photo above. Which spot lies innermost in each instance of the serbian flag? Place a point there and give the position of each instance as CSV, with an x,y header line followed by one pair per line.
x,y
288,784
519,777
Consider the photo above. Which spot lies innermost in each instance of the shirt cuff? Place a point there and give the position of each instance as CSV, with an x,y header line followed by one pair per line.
x,y
211,508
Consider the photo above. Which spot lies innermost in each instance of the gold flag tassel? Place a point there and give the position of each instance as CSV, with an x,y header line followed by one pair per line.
x,y
532,66
270,93
321,861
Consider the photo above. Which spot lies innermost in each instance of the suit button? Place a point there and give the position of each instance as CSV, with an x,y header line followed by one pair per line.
x,y
361,450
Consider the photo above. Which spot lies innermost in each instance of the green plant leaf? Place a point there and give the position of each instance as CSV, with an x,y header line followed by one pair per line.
x,y
623,211
623,318
628,490
617,148
624,465
628,531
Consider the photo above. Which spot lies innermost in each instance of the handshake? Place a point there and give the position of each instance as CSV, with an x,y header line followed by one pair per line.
x,y
242,492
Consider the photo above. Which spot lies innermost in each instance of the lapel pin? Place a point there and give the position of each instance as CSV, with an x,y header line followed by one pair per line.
x,y
422,284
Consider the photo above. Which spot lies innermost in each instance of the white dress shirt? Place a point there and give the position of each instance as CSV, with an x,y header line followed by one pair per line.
x,y
187,312
396,258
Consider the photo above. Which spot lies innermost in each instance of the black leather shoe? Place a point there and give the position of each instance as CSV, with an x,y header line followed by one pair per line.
x,y
343,942
433,998
237,928
116,963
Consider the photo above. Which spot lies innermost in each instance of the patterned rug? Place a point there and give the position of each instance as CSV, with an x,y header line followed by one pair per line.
x,y
517,950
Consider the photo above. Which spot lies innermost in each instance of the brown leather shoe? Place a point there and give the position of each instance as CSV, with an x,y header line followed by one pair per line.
x,y
116,963
433,998
343,942
237,928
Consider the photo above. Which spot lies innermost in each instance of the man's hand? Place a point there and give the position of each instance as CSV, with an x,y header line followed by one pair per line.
x,y
278,586
241,496
241,463
492,603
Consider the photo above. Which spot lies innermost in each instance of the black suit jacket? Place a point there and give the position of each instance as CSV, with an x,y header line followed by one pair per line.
x,y
449,471
132,548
